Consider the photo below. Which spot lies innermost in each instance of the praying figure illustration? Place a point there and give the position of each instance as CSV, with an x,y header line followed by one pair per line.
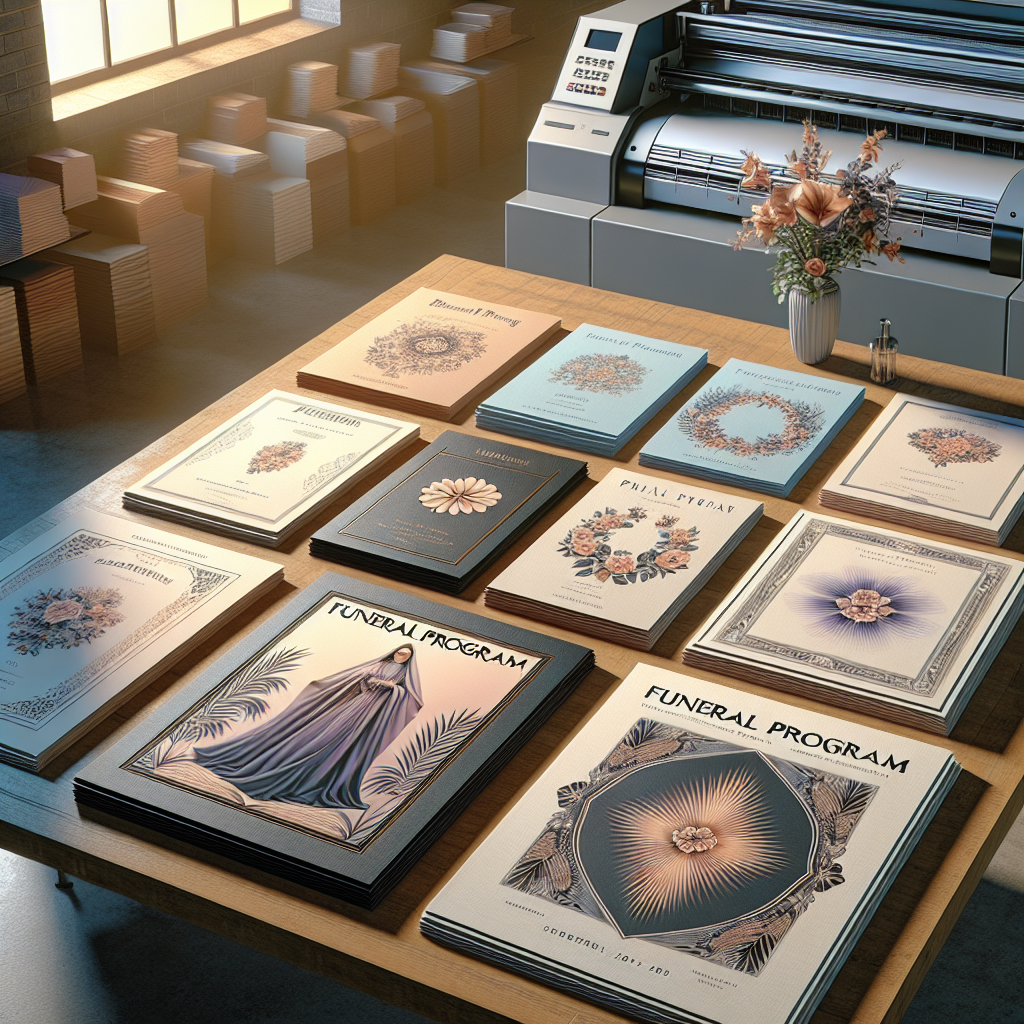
x,y
317,750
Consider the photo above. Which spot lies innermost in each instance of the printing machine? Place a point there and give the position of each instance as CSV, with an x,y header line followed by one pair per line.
x,y
633,167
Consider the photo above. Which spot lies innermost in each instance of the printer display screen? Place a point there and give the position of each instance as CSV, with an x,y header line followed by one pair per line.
x,y
600,39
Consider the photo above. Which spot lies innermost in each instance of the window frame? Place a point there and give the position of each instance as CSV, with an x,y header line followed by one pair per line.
x,y
176,49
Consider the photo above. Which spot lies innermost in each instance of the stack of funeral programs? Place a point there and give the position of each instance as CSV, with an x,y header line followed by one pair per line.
x,y
96,608
935,467
696,855
864,618
265,472
624,561
72,169
440,519
338,740
31,216
431,353
754,426
593,391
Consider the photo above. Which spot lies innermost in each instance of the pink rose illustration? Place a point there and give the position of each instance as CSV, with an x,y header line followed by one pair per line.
x,y
672,559
619,564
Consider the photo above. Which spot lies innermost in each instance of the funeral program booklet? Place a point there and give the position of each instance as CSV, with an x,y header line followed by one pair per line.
x,y
95,608
626,559
696,854
267,470
337,740
754,426
432,352
866,618
938,467
593,390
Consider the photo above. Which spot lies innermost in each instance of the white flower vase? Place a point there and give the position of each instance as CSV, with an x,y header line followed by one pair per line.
x,y
813,325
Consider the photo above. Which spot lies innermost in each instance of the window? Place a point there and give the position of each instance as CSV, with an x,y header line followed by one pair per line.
x,y
91,39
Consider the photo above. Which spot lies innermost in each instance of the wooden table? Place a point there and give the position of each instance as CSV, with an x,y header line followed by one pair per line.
x,y
383,952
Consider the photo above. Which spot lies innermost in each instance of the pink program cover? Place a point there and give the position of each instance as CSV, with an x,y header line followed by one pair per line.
x,y
433,348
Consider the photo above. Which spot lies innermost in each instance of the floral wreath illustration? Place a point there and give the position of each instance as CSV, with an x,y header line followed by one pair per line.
x,y
803,422
424,347
589,544
944,445
272,457
610,374
466,495
63,618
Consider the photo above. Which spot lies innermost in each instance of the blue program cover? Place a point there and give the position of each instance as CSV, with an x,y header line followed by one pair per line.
x,y
600,381
755,425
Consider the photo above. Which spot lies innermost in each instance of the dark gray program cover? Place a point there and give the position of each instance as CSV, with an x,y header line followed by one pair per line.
x,y
334,743
450,510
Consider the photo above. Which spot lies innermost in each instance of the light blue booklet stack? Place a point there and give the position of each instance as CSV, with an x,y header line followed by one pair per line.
x,y
593,391
754,426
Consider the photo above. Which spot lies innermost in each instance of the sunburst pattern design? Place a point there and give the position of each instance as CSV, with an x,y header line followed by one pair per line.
x,y
658,875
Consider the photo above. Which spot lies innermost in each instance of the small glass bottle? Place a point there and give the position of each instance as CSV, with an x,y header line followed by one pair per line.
x,y
884,350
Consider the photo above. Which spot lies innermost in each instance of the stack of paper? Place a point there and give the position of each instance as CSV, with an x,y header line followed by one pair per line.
x,y
31,216
593,391
498,82
935,467
74,171
696,855
150,157
493,17
176,241
236,118
195,186
431,353
47,317
373,69
96,608
265,472
410,123
12,363
441,518
754,426
273,219
371,744
453,102
231,165
312,87
459,41
626,559
865,618
319,154
371,162
114,289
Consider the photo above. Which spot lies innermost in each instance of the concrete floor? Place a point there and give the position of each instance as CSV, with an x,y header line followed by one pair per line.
x,y
88,956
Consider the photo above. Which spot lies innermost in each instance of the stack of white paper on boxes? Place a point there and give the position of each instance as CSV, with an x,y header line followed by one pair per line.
x,y
31,216
497,21
320,155
150,157
459,41
12,363
112,284
498,83
231,165
373,69
236,118
177,247
47,318
312,87
371,162
409,121
454,105
74,171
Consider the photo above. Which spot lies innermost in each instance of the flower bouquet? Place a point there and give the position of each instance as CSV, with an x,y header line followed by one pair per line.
x,y
818,225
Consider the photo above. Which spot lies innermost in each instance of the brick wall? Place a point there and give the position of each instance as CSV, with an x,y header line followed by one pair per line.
x,y
25,113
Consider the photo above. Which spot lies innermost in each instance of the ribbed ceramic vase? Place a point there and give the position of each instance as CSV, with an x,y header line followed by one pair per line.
x,y
813,325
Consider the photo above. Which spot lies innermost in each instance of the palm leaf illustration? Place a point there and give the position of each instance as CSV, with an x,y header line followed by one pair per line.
x,y
423,754
244,695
